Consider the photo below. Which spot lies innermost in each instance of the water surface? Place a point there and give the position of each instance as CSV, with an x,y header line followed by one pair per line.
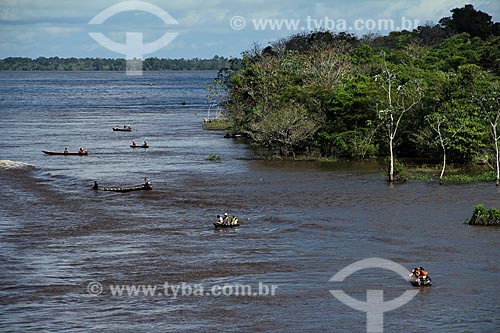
x,y
302,222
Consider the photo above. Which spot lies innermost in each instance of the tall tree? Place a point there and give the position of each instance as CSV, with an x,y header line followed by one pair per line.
x,y
490,103
439,121
401,97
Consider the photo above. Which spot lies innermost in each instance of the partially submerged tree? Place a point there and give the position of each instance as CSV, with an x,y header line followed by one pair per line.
x,y
216,93
438,122
401,97
490,102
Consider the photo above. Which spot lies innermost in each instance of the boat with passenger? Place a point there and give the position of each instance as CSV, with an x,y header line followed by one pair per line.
x,y
419,277
134,145
122,129
147,186
226,222
81,152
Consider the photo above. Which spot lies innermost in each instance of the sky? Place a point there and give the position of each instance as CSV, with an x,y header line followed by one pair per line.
x,y
198,28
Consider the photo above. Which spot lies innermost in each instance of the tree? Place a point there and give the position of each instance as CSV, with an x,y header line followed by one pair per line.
x,y
216,94
401,97
284,128
474,22
437,121
490,104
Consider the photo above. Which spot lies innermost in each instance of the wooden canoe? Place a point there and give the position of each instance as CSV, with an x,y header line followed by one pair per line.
x,y
65,153
219,225
146,187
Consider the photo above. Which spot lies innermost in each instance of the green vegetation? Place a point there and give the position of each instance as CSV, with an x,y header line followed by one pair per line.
x,y
428,93
99,64
213,158
486,217
483,177
220,124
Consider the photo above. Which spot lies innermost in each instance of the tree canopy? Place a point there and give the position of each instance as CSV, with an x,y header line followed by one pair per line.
x,y
329,91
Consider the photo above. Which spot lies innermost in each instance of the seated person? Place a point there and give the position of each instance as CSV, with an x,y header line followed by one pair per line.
x,y
226,219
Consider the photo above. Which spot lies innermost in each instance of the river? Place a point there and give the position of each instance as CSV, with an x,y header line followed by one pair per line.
x,y
65,249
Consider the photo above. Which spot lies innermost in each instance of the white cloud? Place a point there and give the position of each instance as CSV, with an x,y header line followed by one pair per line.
x,y
203,24
60,30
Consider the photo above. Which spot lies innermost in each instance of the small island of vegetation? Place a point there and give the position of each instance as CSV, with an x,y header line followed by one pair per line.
x,y
431,93
486,217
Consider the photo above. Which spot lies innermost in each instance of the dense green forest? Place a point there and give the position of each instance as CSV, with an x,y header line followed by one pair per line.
x,y
432,92
100,64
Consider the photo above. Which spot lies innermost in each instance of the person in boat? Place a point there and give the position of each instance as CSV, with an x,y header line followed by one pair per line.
x,y
226,220
96,186
147,183
422,273
81,151
145,143
133,143
219,219
66,150
234,220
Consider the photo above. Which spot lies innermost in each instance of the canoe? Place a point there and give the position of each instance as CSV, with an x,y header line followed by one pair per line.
x,y
218,225
118,129
141,146
414,281
146,187
65,153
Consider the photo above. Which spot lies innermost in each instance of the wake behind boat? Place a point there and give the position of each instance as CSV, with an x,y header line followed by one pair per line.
x,y
147,186
80,153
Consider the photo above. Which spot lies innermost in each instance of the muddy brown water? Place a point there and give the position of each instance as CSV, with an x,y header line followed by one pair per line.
x,y
301,222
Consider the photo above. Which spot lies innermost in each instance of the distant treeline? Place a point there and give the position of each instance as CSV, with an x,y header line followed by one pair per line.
x,y
103,64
